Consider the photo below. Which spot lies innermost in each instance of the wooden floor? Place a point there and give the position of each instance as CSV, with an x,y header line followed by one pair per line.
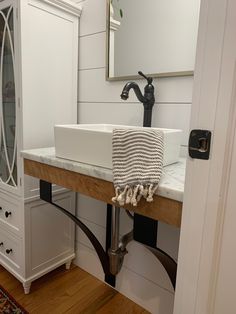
x,y
74,291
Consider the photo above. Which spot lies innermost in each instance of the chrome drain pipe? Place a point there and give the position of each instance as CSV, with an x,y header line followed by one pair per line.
x,y
117,250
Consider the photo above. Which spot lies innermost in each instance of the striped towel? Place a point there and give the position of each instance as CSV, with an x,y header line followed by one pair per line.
x,y
137,156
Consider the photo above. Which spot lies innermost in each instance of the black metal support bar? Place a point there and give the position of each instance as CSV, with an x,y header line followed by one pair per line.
x,y
167,262
108,227
45,190
111,279
145,230
46,195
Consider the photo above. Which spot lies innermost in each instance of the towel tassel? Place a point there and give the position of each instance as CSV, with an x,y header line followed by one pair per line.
x,y
140,194
114,199
134,201
145,192
129,196
150,193
121,198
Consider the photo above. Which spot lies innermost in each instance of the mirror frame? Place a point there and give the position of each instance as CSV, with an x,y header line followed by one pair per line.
x,y
132,77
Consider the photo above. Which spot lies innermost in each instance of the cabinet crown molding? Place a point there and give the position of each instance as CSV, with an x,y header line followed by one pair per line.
x,y
67,5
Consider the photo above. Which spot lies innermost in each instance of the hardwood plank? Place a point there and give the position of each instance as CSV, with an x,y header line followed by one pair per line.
x,y
73,291
120,305
163,209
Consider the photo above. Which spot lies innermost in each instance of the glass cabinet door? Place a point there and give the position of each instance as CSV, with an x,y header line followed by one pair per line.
x,y
8,147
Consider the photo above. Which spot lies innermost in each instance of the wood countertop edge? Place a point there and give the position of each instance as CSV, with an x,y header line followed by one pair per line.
x,y
163,209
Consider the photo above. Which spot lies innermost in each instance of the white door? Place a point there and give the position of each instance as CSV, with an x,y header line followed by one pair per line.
x,y
207,255
224,284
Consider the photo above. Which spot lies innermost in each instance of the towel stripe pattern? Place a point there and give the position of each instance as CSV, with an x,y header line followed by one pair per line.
x,y
137,157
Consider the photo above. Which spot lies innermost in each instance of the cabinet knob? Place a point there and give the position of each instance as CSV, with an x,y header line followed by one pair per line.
x,y
7,214
0,207
1,243
8,251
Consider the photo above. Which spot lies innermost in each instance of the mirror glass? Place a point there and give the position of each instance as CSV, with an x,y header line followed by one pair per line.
x,y
157,37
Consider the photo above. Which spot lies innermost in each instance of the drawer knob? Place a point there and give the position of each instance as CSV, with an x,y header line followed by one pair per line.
x,y
7,214
8,251
1,243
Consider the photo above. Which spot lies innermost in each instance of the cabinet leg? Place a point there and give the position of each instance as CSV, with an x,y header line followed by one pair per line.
x,y
68,264
26,287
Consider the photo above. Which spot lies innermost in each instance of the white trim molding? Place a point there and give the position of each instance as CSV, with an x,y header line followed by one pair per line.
x,y
66,5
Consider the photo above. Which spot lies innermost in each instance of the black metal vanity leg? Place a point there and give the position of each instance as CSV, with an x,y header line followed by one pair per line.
x,y
46,195
108,227
110,279
45,190
145,230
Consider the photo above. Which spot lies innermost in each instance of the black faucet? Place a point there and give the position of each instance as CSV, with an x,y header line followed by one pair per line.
x,y
148,99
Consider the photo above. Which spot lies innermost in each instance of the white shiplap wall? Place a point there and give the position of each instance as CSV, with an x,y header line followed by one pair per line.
x,y
142,278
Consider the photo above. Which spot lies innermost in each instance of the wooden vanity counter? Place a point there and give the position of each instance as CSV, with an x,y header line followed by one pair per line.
x,y
96,182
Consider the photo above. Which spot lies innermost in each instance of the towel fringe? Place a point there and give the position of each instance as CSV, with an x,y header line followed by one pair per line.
x,y
133,194
134,201
114,199
129,196
122,197
145,192
141,188
150,193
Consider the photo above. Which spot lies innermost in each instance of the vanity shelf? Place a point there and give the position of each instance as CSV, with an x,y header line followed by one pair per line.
x,y
96,182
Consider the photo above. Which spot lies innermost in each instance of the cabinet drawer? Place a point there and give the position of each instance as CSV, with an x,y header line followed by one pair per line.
x,y
10,213
10,250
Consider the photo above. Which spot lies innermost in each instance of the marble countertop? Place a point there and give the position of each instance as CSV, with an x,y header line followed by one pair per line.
x,y
171,184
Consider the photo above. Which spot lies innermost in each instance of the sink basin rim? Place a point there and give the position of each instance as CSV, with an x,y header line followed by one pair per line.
x,y
71,142
108,128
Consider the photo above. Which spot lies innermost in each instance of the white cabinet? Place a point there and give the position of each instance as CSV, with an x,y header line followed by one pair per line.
x,y
38,89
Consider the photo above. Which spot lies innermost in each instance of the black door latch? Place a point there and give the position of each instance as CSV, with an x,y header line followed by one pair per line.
x,y
199,144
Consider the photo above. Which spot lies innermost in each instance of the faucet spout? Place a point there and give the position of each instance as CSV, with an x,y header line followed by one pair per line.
x,y
132,85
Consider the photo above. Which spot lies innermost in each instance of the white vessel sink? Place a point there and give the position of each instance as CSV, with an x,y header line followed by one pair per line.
x,y
92,143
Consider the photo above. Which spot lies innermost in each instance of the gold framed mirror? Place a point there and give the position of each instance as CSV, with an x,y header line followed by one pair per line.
x,y
155,36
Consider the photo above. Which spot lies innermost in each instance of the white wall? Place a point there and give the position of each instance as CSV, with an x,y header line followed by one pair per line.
x,y
142,278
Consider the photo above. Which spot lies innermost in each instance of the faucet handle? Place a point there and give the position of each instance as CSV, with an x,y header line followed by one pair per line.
x,y
149,79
